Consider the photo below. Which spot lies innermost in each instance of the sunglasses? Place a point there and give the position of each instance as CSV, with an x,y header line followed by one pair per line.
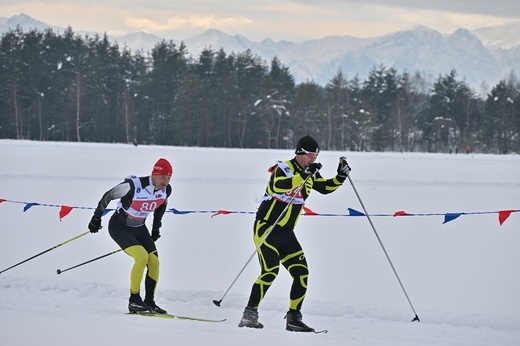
x,y
309,154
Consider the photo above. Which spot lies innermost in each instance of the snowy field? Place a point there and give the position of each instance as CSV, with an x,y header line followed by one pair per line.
x,y
462,277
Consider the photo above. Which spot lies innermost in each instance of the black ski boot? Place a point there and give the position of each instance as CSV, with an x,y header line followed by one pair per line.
x,y
294,322
154,307
250,318
136,304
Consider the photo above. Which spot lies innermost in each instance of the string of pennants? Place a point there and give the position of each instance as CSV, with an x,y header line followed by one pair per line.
x,y
503,215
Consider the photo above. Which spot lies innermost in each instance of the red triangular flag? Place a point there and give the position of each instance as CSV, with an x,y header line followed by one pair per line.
x,y
307,211
220,212
503,215
64,211
401,213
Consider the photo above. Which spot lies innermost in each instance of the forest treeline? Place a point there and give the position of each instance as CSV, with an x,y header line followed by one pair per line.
x,y
67,87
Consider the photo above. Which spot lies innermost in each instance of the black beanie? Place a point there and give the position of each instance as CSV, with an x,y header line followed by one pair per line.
x,y
307,143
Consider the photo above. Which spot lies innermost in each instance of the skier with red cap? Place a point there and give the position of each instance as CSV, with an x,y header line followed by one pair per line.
x,y
138,198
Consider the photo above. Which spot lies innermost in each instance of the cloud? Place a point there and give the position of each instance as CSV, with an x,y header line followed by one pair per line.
x,y
497,8
187,22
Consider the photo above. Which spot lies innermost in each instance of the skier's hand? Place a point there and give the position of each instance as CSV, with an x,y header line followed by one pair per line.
x,y
95,224
155,234
312,169
343,167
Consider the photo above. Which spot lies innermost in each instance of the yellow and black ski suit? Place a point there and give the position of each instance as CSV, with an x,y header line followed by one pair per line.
x,y
282,246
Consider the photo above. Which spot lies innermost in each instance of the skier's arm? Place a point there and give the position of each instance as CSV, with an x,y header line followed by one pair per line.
x,y
330,185
118,191
280,183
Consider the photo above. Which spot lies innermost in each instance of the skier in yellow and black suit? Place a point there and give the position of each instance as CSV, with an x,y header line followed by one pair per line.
x,y
282,246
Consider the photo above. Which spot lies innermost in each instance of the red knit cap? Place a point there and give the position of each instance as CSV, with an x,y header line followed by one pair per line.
x,y
162,167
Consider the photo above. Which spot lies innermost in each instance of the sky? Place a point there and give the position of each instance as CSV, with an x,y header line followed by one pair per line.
x,y
461,276
289,20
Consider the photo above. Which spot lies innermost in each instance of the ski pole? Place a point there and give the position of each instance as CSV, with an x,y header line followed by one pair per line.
x,y
416,318
296,193
59,271
52,248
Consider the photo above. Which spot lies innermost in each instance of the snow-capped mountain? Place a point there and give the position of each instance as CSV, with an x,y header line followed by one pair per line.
x,y
416,49
138,41
25,22
485,55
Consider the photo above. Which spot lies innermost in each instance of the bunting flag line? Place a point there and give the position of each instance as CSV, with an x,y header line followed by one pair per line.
x,y
65,210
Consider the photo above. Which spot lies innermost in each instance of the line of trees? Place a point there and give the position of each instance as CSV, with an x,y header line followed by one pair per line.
x,y
64,87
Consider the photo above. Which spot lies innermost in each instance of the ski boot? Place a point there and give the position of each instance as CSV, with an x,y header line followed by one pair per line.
x,y
136,304
294,322
154,307
250,318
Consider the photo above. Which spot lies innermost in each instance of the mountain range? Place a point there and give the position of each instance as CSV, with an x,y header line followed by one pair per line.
x,y
482,56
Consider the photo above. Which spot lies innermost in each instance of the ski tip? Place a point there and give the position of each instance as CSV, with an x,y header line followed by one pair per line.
x,y
217,302
324,331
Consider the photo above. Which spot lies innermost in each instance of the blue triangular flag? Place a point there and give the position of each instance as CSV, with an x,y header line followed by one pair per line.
x,y
175,211
450,217
28,205
353,212
106,211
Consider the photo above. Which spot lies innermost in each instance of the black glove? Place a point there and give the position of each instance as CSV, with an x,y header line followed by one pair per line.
x,y
312,169
95,224
155,234
343,167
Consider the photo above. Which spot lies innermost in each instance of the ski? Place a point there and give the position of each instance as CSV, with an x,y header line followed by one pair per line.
x,y
324,331
170,316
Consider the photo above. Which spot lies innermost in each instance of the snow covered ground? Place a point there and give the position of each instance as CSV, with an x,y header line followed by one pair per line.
x,y
462,277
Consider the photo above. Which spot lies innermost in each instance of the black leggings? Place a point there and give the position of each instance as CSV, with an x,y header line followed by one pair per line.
x,y
283,247
126,236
